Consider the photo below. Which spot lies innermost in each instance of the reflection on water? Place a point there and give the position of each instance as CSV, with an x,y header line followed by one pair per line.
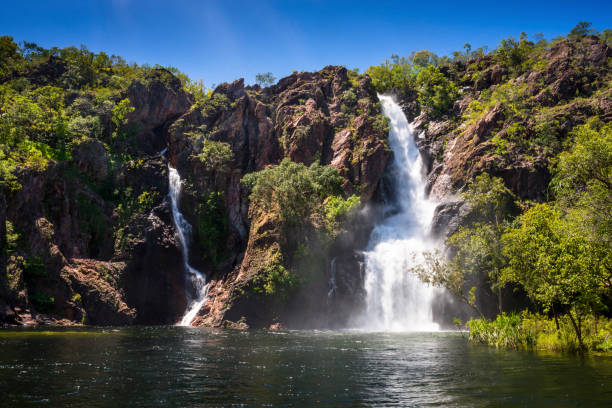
x,y
181,366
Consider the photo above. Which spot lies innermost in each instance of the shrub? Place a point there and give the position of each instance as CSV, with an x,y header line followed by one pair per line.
x,y
397,73
265,79
436,92
293,189
215,156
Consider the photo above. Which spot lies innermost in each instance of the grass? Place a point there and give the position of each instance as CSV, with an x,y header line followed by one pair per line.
x,y
536,332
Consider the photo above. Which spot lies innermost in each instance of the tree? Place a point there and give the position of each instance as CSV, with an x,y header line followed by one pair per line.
x,y
556,265
424,58
477,246
435,269
265,79
396,73
512,53
582,29
215,155
292,189
437,93
583,179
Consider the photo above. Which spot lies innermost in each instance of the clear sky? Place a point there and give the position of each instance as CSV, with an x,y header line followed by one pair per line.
x,y
222,40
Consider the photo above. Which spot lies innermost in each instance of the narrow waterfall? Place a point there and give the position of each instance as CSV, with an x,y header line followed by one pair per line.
x,y
332,279
397,300
195,282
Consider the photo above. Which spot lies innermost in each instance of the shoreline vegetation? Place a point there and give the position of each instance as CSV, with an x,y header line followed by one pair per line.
x,y
536,332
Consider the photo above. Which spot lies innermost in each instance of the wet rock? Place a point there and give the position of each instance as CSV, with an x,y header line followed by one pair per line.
x,y
154,276
448,217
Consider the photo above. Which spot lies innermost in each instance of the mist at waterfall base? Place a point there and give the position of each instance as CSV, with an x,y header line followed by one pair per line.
x,y
396,300
195,282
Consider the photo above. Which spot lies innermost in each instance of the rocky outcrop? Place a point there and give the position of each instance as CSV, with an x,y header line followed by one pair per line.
x,y
103,237
157,101
307,117
458,150
96,252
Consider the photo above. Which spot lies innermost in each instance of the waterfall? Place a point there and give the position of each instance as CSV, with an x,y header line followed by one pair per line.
x,y
396,299
332,279
196,295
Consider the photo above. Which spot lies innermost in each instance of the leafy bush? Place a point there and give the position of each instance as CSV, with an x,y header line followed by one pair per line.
x,y
437,93
537,332
120,112
397,73
505,331
216,156
293,189
34,267
514,54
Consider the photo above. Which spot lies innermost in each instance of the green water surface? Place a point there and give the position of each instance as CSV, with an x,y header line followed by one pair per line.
x,y
180,367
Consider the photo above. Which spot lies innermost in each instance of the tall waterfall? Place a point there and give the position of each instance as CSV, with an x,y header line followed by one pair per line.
x,y
397,300
196,294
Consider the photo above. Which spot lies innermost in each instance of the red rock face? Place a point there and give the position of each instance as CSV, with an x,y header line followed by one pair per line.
x,y
306,117
135,275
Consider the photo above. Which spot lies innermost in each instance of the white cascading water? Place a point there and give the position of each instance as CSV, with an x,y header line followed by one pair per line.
x,y
396,299
196,297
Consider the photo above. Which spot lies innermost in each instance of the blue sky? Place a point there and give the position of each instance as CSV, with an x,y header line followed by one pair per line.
x,y
222,40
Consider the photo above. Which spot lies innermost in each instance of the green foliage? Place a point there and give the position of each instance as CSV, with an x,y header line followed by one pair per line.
x,y
338,210
212,227
296,191
42,301
278,280
478,245
34,267
437,93
537,332
275,281
583,180
265,79
548,138
556,265
10,58
381,125
505,331
130,205
216,156
582,29
12,238
489,197
433,268
120,113
218,102
349,98
514,54
397,73
8,180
